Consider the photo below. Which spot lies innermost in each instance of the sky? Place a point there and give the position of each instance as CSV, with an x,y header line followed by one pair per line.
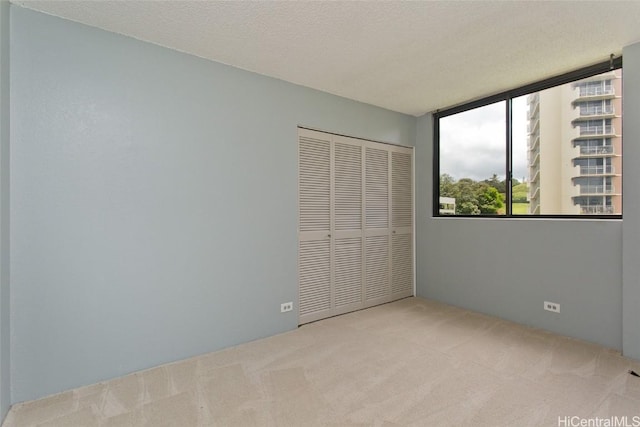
x,y
472,143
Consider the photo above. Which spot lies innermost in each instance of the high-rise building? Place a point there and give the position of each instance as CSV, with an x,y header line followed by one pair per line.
x,y
575,147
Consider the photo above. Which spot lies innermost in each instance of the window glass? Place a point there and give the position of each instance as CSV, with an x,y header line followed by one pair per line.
x,y
572,140
563,157
473,184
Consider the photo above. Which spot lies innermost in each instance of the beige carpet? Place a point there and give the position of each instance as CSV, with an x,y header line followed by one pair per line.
x,y
412,362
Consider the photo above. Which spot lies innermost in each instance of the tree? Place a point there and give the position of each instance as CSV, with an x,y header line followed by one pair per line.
x,y
472,197
447,185
489,199
464,191
494,182
467,208
466,197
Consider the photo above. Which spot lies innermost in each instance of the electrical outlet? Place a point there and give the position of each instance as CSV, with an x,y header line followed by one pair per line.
x,y
552,306
286,306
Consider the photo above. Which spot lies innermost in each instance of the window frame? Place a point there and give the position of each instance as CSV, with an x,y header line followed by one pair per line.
x,y
507,97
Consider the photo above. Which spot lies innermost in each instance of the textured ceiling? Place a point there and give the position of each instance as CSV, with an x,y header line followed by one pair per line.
x,y
411,57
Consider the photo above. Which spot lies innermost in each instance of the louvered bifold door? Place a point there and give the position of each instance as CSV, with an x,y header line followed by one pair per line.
x,y
377,225
347,227
355,224
401,223
314,237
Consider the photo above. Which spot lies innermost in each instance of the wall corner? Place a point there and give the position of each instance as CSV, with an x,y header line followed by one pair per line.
x,y
5,316
631,206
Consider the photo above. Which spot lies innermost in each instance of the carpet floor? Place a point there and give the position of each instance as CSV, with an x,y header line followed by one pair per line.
x,y
413,362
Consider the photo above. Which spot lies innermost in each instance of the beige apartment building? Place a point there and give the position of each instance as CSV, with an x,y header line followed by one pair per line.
x,y
575,147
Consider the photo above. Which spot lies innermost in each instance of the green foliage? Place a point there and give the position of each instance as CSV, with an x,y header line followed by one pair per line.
x,y
467,208
520,208
473,198
447,185
520,193
489,200
494,182
520,187
501,186
519,197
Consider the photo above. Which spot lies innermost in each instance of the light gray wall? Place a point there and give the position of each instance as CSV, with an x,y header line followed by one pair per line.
x,y
154,201
509,267
5,318
631,205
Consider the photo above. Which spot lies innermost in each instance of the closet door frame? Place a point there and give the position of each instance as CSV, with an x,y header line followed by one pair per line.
x,y
333,234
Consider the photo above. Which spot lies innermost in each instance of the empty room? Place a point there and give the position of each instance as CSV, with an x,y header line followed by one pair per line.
x,y
319,213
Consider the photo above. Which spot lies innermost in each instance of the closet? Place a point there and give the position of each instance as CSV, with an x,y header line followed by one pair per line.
x,y
355,231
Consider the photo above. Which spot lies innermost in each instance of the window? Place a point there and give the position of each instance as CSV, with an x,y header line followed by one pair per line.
x,y
549,149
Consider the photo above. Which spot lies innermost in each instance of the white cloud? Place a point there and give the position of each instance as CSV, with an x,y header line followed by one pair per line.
x,y
473,143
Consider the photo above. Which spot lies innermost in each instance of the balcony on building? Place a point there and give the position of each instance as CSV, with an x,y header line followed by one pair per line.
x,y
572,191
595,190
593,93
534,141
534,174
593,151
534,194
533,126
534,207
608,131
596,170
597,210
597,111
575,172
534,158
590,113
